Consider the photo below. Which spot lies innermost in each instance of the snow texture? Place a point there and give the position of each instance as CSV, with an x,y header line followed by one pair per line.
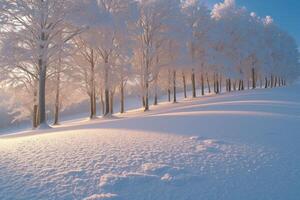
x,y
231,146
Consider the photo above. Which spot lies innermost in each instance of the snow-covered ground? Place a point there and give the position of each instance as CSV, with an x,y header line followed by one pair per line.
x,y
233,146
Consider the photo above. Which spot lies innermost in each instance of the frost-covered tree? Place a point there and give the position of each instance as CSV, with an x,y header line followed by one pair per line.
x,y
151,27
86,59
41,27
201,25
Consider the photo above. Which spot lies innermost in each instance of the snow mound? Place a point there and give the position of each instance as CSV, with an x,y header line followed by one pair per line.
x,y
151,178
210,146
102,196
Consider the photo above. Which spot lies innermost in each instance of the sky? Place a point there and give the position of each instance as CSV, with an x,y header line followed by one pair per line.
x,y
286,13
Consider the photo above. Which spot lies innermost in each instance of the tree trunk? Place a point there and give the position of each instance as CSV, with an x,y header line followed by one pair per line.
x,y
93,89
248,84
35,120
242,85
229,85
111,103
253,79
146,84
57,96
57,100
155,92
194,84
143,101
91,105
95,103
169,85
234,85
169,94
216,84
184,85
155,99
272,81
220,84
106,91
122,98
174,87
147,96
208,84
34,116
42,82
42,94
102,103
202,85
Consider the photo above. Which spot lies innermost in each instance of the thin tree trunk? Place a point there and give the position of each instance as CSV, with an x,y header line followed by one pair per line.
x,y
95,103
208,84
155,99
220,84
227,87
57,100
275,82
215,83
248,84
194,84
272,81
147,96
184,85
253,79
169,85
202,85
143,101
93,89
91,106
146,84
42,93
106,92
174,87
34,116
35,120
241,85
102,102
234,85
122,98
155,92
111,107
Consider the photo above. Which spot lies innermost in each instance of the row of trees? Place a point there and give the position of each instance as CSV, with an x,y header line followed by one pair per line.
x,y
55,53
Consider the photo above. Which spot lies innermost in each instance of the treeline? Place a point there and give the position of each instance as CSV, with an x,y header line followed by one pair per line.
x,y
56,53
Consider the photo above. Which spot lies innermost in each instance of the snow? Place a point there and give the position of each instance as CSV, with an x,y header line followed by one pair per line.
x,y
241,145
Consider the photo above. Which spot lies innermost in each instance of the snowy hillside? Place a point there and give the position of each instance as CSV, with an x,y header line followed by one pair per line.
x,y
229,146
